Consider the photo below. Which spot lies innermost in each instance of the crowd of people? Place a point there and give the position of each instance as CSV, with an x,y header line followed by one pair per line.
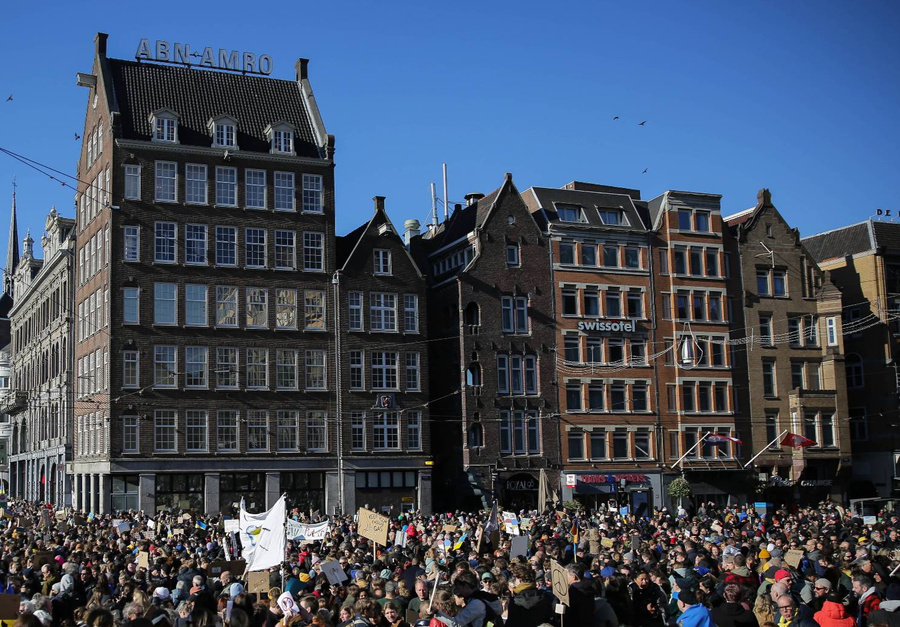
x,y
728,566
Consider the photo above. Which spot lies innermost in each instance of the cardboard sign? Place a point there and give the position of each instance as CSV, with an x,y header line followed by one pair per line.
x,y
232,525
60,516
412,616
716,527
479,534
607,543
449,528
792,557
519,546
334,572
870,520
373,526
258,582
235,567
143,560
79,520
41,558
9,606
23,522
560,579
178,532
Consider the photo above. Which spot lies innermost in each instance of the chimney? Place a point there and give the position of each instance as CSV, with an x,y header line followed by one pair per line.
x,y
379,203
302,67
411,230
473,197
100,44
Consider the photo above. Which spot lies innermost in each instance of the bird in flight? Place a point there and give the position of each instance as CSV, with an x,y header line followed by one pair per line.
x,y
10,98
615,117
77,136
645,170
642,123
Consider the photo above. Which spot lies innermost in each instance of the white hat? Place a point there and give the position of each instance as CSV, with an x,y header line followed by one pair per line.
x,y
162,593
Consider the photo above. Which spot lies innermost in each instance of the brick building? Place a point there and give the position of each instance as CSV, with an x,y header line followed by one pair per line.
x,y
204,342
694,371
863,260
382,336
492,332
600,279
788,357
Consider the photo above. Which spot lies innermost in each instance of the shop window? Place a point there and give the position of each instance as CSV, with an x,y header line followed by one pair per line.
x,y
125,492
243,485
180,491
304,490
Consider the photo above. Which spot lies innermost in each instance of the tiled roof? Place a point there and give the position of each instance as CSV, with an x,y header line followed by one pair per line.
x,y
591,202
887,235
841,242
197,95
346,243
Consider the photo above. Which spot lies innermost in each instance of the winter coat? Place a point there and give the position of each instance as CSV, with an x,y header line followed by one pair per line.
x,y
888,613
604,615
742,577
641,598
733,615
866,606
530,607
834,614
581,604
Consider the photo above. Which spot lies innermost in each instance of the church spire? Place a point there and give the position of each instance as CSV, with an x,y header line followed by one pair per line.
x,y
12,251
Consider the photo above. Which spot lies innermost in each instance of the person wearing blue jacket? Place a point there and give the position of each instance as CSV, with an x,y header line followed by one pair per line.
x,y
693,614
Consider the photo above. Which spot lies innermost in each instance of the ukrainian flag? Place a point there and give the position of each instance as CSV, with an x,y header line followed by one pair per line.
x,y
459,542
200,525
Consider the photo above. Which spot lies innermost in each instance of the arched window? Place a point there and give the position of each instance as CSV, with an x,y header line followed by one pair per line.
x,y
473,314
476,435
854,367
473,375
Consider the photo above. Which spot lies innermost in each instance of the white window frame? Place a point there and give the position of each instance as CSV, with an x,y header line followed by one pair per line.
x,y
357,367
161,362
253,247
196,431
131,369
198,357
196,184
132,182
384,370
192,292
257,301
227,365
314,310
316,371
286,369
355,311
313,251
410,313
383,312
313,192
285,191
222,303
130,434
382,262
194,244
129,295
226,186
317,431
165,304
170,416
285,308
260,359
285,249
166,181
253,190
164,240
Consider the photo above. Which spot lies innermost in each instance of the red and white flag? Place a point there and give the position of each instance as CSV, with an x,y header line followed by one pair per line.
x,y
718,438
797,441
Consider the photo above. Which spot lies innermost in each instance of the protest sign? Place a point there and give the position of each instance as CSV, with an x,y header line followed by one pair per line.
x,y
792,558
519,546
560,579
511,524
300,531
373,526
258,582
143,560
606,543
334,572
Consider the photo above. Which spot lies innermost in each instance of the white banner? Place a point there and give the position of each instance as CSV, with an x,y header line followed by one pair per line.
x,y
300,531
267,536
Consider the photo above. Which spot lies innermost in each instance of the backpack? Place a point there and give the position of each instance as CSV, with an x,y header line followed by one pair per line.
x,y
491,618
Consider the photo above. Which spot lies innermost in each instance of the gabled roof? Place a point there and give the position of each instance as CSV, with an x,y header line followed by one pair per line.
x,y
548,199
348,244
847,240
197,95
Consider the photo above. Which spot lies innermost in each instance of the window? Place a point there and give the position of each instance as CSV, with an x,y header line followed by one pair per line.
x,y
382,311
765,330
576,444
572,348
831,332
133,182
226,186
642,445
285,250
684,220
257,307
226,246
164,366
165,298
282,141
566,253
569,302
410,313
620,444
315,370
573,397
226,306
195,305
514,314
519,433
166,242
772,427
255,247
859,424
316,431
314,310
769,386
762,282
226,367
613,303
696,257
196,367
257,368
382,262
255,188
778,283
284,191
164,431
285,309
354,304
635,304
131,243
195,430
701,221
130,434
517,374
313,252
512,255
130,369
384,370
797,378
414,430
358,431
712,263
166,181
164,129
130,306
386,430
809,427
588,254
312,193
570,214
612,217
195,184
227,430
412,371
812,330
632,257
357,370
195,244
286,369
226,134
611,255
257,430
286,430
855,373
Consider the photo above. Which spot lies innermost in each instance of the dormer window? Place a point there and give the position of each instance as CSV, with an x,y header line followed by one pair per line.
x,y
612,217
281,138
164,124
224,131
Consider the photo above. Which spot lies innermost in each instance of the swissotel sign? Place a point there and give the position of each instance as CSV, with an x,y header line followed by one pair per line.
x,y
622,326
181,54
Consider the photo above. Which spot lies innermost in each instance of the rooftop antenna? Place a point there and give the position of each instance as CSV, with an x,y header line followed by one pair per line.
x,y
446,202
769,253
433,206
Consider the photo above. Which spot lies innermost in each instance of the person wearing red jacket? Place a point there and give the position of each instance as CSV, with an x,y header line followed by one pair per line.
x,y
833,613
868,598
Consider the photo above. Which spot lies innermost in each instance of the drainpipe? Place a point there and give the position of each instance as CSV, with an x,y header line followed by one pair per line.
x,y
336,285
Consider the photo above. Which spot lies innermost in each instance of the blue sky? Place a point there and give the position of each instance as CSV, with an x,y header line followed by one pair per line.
x,y
798,96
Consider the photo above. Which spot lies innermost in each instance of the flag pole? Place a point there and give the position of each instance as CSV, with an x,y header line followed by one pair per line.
x,y
766,448
691,450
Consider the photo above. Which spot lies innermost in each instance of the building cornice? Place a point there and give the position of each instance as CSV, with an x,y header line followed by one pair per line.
x,y
220,152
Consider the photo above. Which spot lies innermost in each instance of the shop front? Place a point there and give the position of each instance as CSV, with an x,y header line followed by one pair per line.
x,y
808,482
627,492
519,491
